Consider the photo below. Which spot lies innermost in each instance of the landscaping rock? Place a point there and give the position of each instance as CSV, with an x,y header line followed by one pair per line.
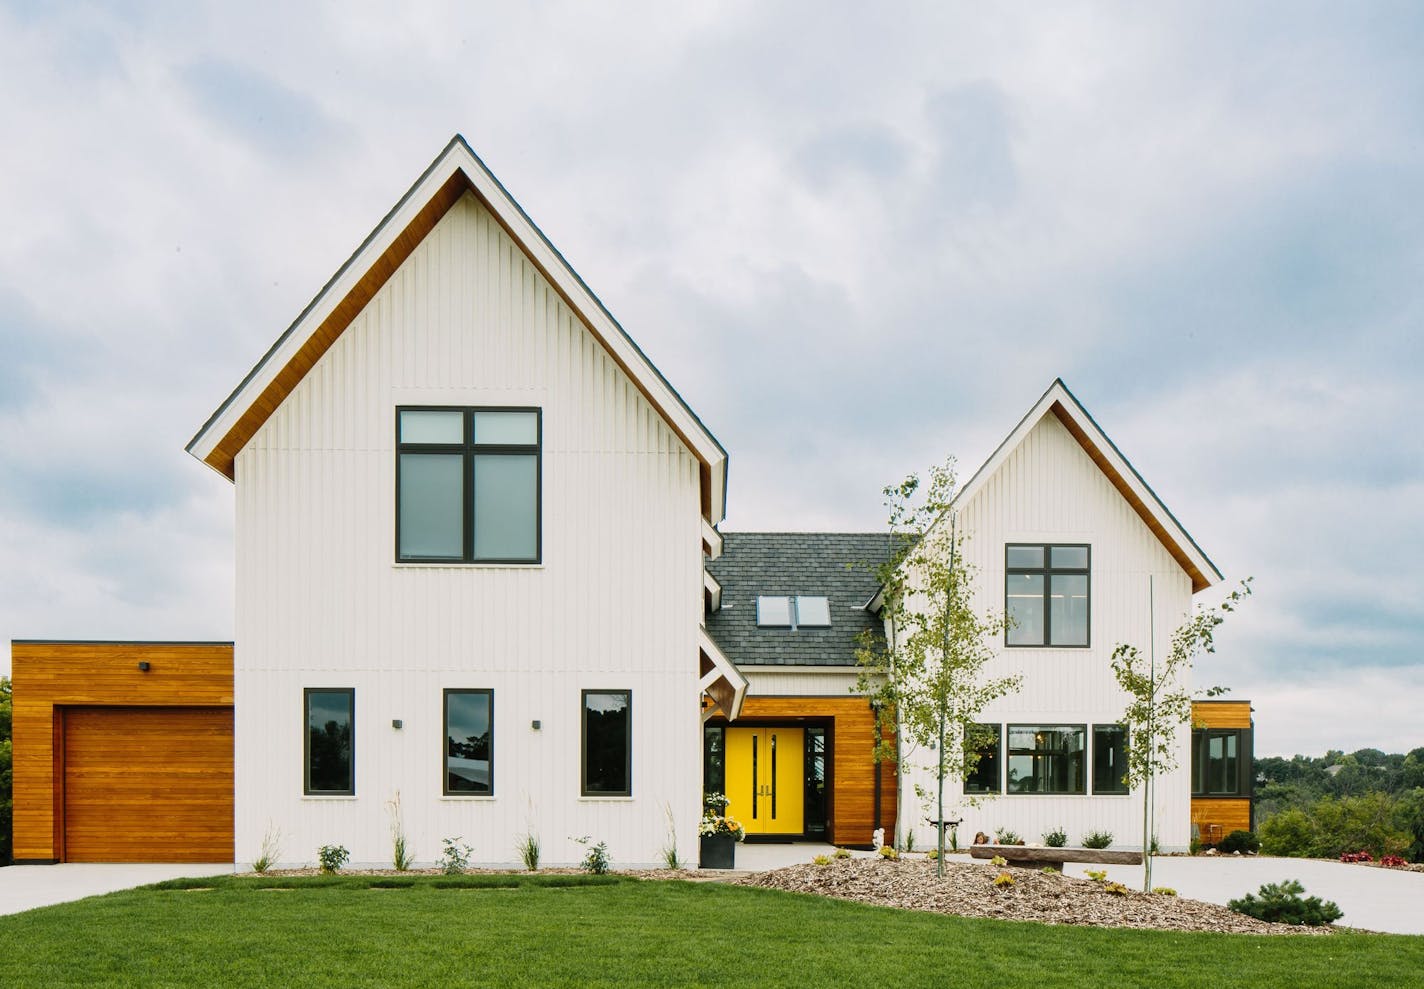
x,y
968,890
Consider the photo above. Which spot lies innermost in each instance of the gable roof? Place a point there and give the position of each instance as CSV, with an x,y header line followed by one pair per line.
x,y
1059,402
790,563
454,172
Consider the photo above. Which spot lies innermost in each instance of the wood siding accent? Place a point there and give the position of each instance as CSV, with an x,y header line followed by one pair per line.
x,y
1221,714
150,784
1217,817
50,676
852,768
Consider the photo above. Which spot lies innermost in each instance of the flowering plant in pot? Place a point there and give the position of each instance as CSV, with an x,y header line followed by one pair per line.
x,y
718,834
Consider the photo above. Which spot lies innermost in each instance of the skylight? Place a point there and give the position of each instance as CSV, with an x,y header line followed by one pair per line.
x,y
801,611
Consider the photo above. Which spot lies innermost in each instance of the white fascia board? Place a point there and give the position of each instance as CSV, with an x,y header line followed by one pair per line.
x,y
727,669
713,589
712,539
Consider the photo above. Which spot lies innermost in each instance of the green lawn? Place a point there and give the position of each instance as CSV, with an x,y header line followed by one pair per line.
x,y
574,930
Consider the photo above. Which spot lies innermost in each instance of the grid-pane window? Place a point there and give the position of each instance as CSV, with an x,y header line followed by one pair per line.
x,y
1047,758
986,741
469,742
607,743
1109,758
1046,594
467,485
330,717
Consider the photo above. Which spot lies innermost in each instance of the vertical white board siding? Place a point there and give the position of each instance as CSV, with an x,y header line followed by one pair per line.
x,y
1048,490
615,603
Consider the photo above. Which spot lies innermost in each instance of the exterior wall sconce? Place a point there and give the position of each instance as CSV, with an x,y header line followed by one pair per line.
x,y
536,725
397,723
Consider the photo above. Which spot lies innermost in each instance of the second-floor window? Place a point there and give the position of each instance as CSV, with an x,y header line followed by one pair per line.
x,y
1046,594
467,485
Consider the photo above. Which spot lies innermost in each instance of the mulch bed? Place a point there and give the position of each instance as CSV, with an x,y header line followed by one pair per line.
x,y
968,890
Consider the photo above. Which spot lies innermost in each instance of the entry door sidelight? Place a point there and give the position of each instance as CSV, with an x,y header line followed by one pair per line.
x,y
766,781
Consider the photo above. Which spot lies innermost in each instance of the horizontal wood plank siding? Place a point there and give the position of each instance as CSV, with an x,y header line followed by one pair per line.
x,y
852,766
1215,818
47,675
1221,714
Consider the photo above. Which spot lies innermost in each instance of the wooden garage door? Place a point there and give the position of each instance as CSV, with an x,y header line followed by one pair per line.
x,y
148,784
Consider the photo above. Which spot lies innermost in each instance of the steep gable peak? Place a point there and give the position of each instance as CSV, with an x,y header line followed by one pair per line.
x,y
1064,406
457,170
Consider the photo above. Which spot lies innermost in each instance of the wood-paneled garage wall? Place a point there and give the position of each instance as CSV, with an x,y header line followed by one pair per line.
x,y
852,768
149,773
1217,817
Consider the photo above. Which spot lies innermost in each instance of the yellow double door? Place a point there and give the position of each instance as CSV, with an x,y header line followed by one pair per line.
x,y
766,779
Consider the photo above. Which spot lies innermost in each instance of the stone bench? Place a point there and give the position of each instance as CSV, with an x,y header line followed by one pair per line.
x,y
1053,858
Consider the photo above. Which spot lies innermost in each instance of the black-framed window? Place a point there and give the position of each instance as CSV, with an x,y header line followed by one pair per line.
x,y
816,813
1046,594
714,759
329,754
1109,758
1219,762
607,743
987,740
468,484
469,742
1047,758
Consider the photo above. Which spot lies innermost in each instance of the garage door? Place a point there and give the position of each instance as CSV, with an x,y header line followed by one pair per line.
x,y
148,784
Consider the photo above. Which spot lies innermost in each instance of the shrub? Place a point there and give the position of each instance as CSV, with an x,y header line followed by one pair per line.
x,y
910,840
332,857
1239,841
932,854
888,852
1116,889
1393,862
596,861
671,858
456,857
1048,870
1282,903
1290,833
998,860
1356,857
821,860
841,853
1097,875
1003,879
1164,891
1057,838
529,851
1003,836
1097,839
400,848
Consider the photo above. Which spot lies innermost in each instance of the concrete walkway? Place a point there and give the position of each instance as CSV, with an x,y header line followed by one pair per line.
x,y
24,887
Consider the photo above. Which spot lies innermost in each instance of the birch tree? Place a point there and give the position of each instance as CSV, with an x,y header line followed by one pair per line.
x,y
1160,702
926,676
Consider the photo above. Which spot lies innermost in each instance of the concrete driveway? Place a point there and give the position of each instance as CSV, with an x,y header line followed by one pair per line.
x,y
24,887
1385,900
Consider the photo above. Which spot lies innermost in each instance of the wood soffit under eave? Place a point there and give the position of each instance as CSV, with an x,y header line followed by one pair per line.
x,y
1199,581
223,457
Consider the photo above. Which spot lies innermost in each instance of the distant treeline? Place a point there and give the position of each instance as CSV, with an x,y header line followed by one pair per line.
x,y
1340,802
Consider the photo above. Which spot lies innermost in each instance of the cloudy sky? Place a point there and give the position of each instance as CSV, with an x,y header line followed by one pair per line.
x,y
854,241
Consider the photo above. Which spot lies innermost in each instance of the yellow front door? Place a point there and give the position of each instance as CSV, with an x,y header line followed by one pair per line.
x,y
766,786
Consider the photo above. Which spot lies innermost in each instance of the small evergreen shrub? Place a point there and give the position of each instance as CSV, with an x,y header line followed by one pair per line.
x,y
1116,889
1057,838
1003,836
1239,841
999,860
1282,903
1097,839
456,857
332,857
932,854
1097,875
1048,870
841,853
888,852
1164,891
1003,879
821,860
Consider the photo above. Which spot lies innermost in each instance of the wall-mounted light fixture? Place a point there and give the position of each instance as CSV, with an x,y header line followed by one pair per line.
x,y
397,723
536,725
143,665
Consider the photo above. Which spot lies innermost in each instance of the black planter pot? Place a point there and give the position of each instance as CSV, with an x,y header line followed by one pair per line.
x,y
717,851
